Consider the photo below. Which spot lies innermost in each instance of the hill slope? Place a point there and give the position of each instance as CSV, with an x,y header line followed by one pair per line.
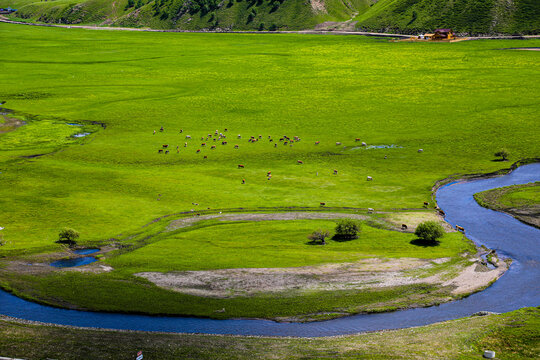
x,y
469,17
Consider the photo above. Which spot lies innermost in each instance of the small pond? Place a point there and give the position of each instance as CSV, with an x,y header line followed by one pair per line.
x,y
86,251
74,262
80,135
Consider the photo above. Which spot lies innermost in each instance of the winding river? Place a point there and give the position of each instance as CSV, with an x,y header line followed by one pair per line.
x,y
519,287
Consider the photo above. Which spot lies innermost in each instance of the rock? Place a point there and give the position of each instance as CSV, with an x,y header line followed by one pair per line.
x,y
488,354
484,313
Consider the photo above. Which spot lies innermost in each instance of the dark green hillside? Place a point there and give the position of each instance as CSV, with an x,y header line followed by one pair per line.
x,y
467,17
190,14
464,16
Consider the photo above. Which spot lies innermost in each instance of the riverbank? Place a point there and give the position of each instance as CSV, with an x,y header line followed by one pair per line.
x,y
519,201
511,335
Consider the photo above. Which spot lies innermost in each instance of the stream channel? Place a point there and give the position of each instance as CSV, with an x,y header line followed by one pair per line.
x,y
518,287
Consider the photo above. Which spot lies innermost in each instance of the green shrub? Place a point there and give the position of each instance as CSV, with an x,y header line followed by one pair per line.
x,y
319,236
68,237
347,229
503,153
429,231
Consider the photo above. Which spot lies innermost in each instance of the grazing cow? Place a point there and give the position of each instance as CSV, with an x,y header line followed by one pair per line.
x,y
317,142
202,138
203,144
154,132
369,178
166,152
269,137
420,150
460,228
357,139
198,150
236,146
239,136
181,131
205,157
364,144
223,143
243,181
194,203
442,213
322,204
268,173
225,129
335,172
177,147
403,227
281,139
185,144
370,210
275,145
385,156
188,137
160,151
215,139
260,136
338,143
240,166
161,129
271,140
165,146
426,204
269,177
213,147
300,162
285,143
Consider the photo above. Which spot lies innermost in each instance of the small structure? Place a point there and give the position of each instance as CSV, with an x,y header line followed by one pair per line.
x,y
441,34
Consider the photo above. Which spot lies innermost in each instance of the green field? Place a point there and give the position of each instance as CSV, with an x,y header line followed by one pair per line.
x,y
458,102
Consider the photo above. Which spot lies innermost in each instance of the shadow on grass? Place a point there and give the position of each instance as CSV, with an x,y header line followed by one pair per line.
x,y
315,242
499,160
343,238
424,243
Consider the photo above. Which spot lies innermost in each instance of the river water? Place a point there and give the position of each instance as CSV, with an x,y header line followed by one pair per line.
x,y
519,287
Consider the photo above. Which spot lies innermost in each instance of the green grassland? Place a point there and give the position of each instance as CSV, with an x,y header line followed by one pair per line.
x,y
521,201
512,336
458,102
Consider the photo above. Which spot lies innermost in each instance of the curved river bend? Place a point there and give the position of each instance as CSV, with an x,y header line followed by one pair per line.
x,y
519,287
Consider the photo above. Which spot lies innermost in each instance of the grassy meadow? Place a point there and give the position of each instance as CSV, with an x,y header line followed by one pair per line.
x,y
458,102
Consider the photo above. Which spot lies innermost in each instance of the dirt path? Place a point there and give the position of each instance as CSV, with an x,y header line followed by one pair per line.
x,y
184,222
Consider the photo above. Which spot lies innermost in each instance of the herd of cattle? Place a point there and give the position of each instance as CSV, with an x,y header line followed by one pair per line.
x,y
219,138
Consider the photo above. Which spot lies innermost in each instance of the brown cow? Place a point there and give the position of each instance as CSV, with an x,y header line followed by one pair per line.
x,y
165,146
426,204
460,228
160,151
240,166
357,139
213,147
203,144
335,172
236,146
205,157
403,227
322,204
198,150
317,142
300,162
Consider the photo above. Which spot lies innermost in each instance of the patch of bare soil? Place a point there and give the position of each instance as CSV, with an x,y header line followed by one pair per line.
x,y
413,218
364,274
10,124
185,222
318,6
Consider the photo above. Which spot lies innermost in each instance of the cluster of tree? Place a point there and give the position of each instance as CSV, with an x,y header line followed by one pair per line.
x,y
68,236
346,229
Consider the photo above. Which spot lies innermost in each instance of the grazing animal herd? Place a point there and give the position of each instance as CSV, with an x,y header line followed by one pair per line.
x,y
285,140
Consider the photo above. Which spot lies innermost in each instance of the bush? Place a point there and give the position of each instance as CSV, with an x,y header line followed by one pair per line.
x,y
429,231
347,229
503,153
319,236
68,236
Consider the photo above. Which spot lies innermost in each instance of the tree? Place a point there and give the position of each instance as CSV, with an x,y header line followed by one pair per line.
x,y
347,229
429,231
261,26
68,236
503,153
319,236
